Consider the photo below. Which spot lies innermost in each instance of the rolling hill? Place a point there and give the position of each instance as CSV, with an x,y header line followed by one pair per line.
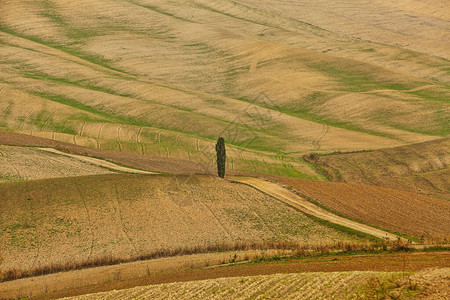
x,y
303,92
421,168
21,163
167,78
76,219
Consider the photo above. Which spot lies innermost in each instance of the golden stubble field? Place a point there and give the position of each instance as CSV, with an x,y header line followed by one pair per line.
x,y
321,285
73,220
166,78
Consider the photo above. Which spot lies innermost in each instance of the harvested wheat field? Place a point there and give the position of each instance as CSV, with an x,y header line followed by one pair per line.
x,y
23,163
166,78
192,268
113,217
423,217
332,285
420,168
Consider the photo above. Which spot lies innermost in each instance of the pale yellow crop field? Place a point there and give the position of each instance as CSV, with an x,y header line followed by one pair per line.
x,y
276,79
322,285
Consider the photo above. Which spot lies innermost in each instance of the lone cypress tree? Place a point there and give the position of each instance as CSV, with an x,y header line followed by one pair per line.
x,y
221,157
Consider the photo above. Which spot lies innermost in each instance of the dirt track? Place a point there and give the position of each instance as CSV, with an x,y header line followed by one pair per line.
x,y
98,162
309,208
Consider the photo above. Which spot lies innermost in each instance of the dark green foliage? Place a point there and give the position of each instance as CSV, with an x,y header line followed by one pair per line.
x,y
221,157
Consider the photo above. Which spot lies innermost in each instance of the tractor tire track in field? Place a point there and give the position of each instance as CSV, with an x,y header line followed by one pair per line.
x,y
122,225
82,129
27,117
99,135
46,120
88,215
323,133
298,202
118,137
138,140
217,219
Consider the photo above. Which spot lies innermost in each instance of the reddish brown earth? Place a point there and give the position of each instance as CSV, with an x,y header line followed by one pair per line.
x,y
407,262
397,210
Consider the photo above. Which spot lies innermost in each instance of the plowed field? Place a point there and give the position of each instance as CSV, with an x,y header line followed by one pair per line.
x,y
417,215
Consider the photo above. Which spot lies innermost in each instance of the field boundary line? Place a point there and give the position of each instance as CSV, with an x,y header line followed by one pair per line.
x,y
97,162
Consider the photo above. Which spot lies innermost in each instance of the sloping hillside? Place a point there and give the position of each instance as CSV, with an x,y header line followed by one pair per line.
x,y
68,220
420,168
166,78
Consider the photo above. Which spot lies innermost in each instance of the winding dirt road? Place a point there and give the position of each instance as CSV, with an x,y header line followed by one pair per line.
x,y
298,202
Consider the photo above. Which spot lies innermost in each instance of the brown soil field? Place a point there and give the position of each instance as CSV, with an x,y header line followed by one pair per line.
x,y
24,163
52,286
421,216
167,78
419,168
333,285
69,220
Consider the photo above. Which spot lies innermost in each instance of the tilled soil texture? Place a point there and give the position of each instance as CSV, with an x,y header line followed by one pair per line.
x,y
330,285
404,262
421,216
